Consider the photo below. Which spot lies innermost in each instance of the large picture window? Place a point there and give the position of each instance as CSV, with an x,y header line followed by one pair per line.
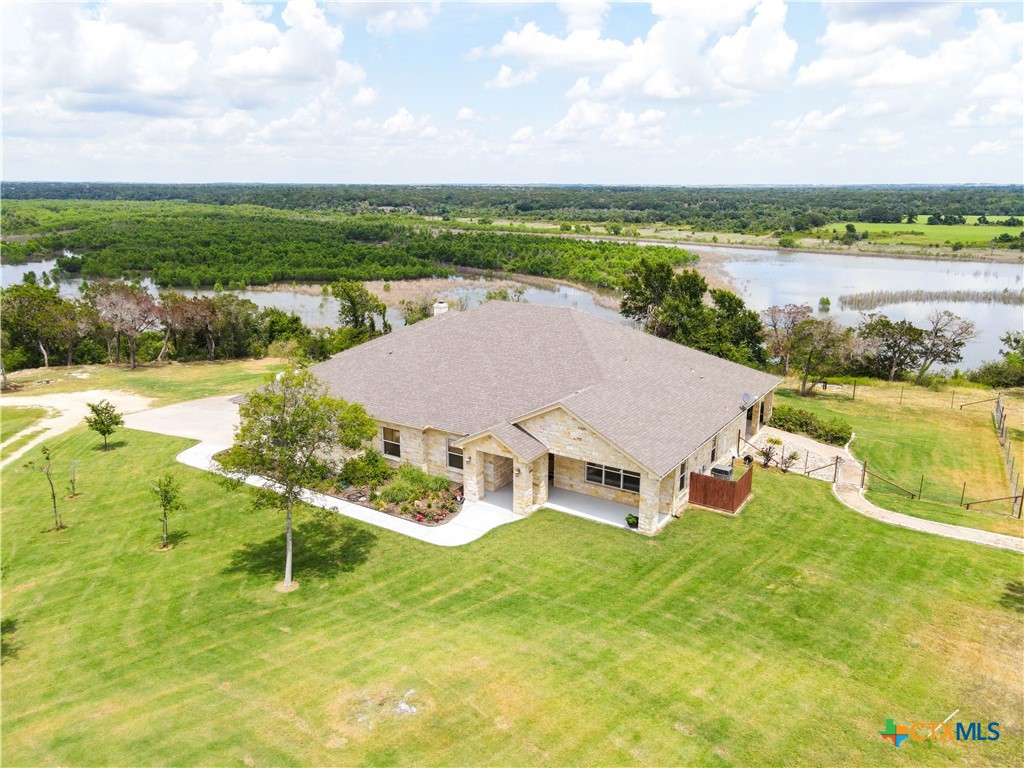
x,y
613,477
391,440
454,456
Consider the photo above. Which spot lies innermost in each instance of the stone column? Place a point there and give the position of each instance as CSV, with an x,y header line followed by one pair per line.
x,y
540,480
522,487
650,502
473,475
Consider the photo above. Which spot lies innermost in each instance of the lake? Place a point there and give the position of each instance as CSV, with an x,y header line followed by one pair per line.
x,y
762,277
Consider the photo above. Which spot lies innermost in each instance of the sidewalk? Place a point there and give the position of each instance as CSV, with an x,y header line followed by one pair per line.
x,y
475,519
848,491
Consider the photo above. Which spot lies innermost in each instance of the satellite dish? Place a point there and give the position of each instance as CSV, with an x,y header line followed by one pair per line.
x,y
746,398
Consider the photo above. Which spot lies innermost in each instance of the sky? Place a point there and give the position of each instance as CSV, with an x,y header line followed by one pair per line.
x,y
683,92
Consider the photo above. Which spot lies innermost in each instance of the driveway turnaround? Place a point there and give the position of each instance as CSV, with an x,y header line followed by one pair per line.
x,y
211,419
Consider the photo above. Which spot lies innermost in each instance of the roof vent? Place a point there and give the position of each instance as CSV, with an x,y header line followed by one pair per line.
x,y
440,307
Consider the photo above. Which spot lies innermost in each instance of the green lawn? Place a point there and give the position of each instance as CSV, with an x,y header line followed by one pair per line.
x,y
166,383
923,436
14,420
786,635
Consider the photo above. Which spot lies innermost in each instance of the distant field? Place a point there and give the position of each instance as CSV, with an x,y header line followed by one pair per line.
x,y
925,234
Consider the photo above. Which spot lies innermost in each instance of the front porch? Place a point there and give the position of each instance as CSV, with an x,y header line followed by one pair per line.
x,y
571,503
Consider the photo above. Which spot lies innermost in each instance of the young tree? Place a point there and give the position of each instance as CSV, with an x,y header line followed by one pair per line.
x,y
780,324
944,339
32,316
414,310
287,428
73,478
46,467
167,491
104,419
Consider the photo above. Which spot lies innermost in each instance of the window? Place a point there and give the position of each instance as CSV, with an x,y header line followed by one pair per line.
x,y
392,442
454,455
613,477
714,449
684,477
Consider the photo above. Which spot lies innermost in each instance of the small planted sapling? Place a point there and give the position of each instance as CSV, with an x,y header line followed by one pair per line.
x,y
104,419
46,467
167,491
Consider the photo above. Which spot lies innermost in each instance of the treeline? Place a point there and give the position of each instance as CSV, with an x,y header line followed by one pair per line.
x,y
118,321
184,244
725,209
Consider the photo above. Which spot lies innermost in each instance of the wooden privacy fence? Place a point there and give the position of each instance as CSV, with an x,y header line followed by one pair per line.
x,y
724,495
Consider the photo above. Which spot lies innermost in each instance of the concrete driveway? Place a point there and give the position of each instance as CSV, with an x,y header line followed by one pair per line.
x,y
211,419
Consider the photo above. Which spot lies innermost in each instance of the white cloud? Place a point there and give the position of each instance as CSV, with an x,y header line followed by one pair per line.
x,y
365,96
587,120
386,18
758,54
875,139
810,125
581,49
506,78
987,148
584,15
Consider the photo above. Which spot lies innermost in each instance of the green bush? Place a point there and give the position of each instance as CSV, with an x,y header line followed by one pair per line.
x,y
632,521
370,469
412,483
835,431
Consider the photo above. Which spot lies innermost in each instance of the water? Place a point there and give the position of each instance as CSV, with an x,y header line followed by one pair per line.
x,y
766,278
320,311
763,278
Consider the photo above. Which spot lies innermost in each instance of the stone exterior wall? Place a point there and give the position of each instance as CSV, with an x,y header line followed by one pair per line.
x,y
567,436
412,444
436,455
570,474
497,471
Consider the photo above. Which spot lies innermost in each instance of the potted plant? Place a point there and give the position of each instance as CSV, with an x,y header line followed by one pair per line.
x,y
632,521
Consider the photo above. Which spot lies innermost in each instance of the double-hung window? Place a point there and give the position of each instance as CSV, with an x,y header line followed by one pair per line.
x,y
454,455
613,477
714,449
391,441
684,477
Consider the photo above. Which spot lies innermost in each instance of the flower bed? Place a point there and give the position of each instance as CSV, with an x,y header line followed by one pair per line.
x,y
435,508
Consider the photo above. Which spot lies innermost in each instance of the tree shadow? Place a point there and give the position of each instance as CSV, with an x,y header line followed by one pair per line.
x,y
1013,596
324,545
174,538
8,647
112,445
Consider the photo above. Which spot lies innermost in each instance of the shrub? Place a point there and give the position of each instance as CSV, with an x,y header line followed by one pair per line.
x,y
835,431
370,469
412,483
632,521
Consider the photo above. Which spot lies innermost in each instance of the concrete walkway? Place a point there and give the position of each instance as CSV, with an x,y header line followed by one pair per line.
x,y
849,492
470,524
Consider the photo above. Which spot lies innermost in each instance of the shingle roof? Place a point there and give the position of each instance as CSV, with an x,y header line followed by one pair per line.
x,y
484,369
518,439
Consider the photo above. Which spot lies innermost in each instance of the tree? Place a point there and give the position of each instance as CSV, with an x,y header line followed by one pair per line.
x,y
129,310
780,324
104,419
414,310
944,339
893,347
288,428
644,290
822,348
32,316
505,294
681,308
167,491
46,467
360,309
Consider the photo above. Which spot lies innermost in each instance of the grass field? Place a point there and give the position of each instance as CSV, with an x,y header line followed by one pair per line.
x,y
15,420
786,635
930,234
165,383
923,436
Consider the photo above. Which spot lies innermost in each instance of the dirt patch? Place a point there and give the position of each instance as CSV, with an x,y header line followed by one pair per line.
x,y
353,714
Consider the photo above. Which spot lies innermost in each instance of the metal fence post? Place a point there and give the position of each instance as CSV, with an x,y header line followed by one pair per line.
x,y
920,489
963,493
951,399
901,395
835,474
863,473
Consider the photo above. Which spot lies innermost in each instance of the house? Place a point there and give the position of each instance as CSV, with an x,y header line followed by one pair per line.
x,y
537,397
